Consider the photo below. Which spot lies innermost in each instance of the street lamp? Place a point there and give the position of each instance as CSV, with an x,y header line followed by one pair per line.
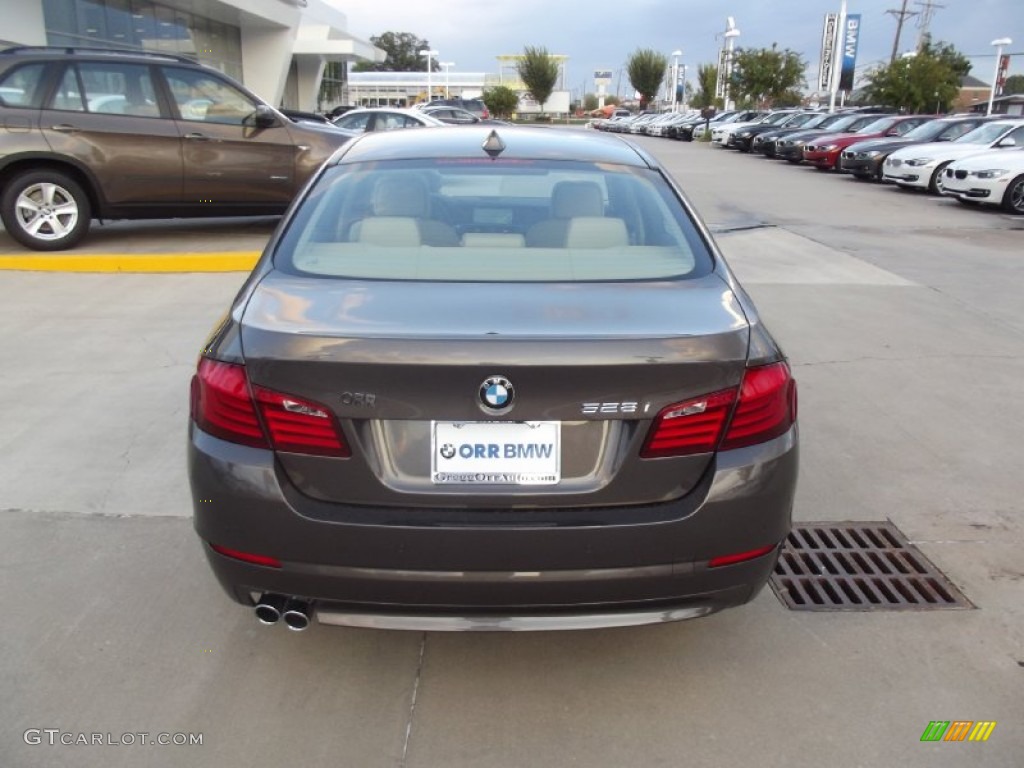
x,y
999,43
446,65
429,54
730,35
675,77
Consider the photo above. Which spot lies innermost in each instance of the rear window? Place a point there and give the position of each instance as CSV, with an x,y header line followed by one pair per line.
x,y
483,220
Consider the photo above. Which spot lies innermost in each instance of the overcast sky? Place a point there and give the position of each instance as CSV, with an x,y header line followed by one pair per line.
x,y
601,35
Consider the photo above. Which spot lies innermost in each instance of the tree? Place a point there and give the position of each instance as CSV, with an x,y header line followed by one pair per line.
x,y
589,102
539,72
925,82
707,79
611,99
501,100
763,76
1013,84
948,54
403,49
646,68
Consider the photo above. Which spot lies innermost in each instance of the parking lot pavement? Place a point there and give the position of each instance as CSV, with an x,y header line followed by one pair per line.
x,y
899,314
177,245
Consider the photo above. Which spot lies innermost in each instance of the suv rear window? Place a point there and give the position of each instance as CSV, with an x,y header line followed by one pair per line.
x,y
486,220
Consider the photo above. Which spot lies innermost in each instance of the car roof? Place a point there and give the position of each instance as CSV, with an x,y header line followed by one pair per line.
x,y
521,142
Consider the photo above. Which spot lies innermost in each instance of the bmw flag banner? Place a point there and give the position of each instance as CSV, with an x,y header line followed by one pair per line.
x,y
850,40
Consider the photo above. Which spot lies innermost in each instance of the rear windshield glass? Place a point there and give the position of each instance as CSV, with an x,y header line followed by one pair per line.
x,y
484,220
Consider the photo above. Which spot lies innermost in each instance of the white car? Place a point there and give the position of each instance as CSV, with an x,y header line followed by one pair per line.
x,y
921,165
722,134
991,178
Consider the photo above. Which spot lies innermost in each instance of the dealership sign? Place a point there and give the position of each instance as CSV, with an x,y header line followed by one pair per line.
x,y
850,42
828,49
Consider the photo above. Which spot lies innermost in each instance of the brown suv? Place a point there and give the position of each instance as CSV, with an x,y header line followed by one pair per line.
x,y
88,133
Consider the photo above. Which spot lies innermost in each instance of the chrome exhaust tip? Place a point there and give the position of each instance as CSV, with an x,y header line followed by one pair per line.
x,y
269,608
297,614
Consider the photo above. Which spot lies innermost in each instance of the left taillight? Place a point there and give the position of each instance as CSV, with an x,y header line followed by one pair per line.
x,y
224,405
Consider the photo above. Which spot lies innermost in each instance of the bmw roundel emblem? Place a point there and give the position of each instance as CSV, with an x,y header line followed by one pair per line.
x,y
496,394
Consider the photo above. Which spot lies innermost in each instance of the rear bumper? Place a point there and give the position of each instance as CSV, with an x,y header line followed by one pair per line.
x,y
386,567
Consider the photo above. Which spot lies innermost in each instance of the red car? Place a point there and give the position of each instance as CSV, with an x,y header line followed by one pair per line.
x,y
824,153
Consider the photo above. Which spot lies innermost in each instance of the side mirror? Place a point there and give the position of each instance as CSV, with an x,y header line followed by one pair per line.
x,y
264,117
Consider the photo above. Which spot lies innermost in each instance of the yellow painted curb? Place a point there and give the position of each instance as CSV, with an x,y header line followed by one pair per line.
x,y
223,261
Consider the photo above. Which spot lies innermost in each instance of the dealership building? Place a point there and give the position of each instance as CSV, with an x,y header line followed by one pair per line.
x,y
278,48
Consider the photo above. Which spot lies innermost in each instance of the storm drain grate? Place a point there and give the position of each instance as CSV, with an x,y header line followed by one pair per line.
x,y
859,567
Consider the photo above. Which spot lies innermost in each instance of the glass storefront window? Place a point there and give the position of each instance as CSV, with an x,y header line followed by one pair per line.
x,y
145,25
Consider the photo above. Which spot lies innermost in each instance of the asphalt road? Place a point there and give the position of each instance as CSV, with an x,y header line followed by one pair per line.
x,y
902,318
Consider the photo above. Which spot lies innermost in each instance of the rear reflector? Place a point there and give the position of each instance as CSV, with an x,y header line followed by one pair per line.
x,y
222,406
299,426
248,557
766,408
740,557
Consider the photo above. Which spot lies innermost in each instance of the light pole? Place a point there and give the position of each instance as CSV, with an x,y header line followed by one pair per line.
x,y
730,35
684,87
675,77
430,56
446,65
999,43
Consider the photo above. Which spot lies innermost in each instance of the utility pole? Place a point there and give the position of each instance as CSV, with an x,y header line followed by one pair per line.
x,y
901,15
928,8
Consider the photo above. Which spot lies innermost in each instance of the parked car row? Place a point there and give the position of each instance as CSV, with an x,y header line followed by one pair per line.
x,y
683,126
972,158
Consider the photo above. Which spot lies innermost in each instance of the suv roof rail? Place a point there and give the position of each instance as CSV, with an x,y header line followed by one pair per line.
x,y
111,51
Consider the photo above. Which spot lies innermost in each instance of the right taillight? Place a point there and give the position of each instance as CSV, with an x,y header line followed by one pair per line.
x,y
693,426
224,406
765,407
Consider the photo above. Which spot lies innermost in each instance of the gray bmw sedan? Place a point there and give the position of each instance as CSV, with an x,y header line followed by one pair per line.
x,y
491,379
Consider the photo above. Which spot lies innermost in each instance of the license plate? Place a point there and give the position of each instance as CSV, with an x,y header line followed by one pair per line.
x,y
495,453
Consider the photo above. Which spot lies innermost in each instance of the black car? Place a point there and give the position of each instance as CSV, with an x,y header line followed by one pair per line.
x,y
744,138
865,159
789,145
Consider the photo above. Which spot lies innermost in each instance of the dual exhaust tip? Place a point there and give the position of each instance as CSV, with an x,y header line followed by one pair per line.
x,y
295,613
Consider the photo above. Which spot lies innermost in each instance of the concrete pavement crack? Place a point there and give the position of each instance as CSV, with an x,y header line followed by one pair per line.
x,y
902,359
412,703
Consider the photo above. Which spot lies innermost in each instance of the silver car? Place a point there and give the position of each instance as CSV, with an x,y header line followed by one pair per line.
x,y
491,379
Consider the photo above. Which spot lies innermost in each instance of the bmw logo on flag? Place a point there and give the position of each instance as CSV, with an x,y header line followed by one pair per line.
x,y
496,394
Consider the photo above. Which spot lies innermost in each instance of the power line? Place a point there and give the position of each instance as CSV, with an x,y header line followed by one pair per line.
x,y
901,15
924,20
